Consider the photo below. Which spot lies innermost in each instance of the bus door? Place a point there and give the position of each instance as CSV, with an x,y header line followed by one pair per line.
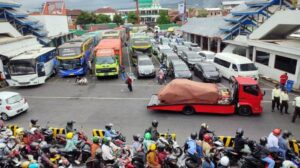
x,y
41,69
6,72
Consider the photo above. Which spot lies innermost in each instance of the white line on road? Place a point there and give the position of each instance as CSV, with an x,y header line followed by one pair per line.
x,y
87,98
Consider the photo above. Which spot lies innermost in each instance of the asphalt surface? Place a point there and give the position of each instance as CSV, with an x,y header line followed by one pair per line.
x,y
108,100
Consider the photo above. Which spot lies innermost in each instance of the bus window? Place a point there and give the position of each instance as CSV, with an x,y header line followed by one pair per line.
x,y
22,67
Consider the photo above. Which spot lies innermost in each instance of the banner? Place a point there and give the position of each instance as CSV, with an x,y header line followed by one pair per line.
x,y
181,8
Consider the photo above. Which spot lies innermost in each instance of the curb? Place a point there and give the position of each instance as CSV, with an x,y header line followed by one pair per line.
x,y
276,82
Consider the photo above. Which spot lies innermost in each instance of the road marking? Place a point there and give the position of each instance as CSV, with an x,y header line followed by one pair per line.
x,y
87,98
128,60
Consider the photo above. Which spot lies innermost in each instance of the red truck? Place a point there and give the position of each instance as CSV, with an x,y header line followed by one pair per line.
x,y
244,98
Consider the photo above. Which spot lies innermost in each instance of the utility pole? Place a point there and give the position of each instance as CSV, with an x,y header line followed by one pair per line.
x,y
137,12
184,11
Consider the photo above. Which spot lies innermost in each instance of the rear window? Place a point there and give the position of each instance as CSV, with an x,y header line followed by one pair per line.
x,y
14,99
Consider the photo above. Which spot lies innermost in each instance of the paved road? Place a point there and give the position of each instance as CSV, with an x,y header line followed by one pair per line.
x,y
104,101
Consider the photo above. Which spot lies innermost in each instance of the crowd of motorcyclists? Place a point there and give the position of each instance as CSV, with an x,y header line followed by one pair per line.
x,y
40,147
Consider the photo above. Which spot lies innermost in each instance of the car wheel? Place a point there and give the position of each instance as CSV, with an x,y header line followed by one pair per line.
x,y
4,116
188,110
244,111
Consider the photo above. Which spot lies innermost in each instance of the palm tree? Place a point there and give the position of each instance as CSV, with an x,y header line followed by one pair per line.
x,y
137,12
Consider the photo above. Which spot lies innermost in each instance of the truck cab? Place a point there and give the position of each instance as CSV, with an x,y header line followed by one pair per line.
x,y
106,63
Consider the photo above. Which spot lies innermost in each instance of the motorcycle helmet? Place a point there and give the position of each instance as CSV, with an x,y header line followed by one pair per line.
x,y
136,137
263,141
277,131
155,123
25,164
286,134
45,148
224,161
239,132
34,146
96,139
33,121
204,125
161,147
69,135
106,140
152,147
33,165
20,131
207,138
2,145
193,135
108,126
148,136
32,130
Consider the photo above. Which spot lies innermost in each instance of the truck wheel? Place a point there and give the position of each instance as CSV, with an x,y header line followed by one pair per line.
x,y
188,110
244,111
4,116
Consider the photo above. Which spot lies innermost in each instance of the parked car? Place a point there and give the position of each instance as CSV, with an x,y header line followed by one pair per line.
x,y
178,69
167,53
232,65
145,67
172,44
11,104
170,58
196,49
178,49
164,41
161,49
191,58
207,55
207,72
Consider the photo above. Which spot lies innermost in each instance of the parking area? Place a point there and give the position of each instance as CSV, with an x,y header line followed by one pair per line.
x,y
108,100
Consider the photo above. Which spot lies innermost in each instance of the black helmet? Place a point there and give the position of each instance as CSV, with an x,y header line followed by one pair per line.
x,y
108,126
239,132
263,141
194,135
161,147
33,121
136,137
286,134
34,146
46,148
154,123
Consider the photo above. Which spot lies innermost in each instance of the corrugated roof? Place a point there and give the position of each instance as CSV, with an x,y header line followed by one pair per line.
x,y
106,10
209,27
74,12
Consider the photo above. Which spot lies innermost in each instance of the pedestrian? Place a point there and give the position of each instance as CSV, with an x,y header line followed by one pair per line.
x,y
283,78
284,101
129,83
276,97
122,69
296,103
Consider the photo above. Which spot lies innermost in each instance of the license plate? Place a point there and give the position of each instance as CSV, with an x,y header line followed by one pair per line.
x,y
20,110
72,74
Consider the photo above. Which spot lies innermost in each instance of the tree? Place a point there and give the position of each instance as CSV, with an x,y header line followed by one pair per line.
x,y
202,13
118,19
163,18
84,18
132,17
103,18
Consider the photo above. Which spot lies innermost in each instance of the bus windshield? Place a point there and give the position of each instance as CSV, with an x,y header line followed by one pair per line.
x,y
65,52
70,64
22,67
106,60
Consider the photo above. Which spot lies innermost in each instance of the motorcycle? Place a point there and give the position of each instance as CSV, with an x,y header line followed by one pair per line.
x,y
171,162
171,145
162,76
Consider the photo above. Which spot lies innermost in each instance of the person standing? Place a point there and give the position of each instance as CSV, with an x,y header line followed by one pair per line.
x,y
122,69
276,97
283,78
284,101
296,103
129,83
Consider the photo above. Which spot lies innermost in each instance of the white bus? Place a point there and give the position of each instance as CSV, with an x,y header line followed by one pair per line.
x,y
32,67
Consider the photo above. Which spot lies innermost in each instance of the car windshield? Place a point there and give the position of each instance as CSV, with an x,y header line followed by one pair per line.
x,y
22,67
248,67
145,62
209,68
65,52
194,56
106,60
181,67
70,64
182,48
14,99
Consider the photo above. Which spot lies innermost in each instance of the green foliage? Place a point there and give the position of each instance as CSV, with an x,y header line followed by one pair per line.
x,y
118,20
163,18
102,19
202,13
85,18
132,18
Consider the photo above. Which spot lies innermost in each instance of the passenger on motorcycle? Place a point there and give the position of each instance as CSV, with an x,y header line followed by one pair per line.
x,y
151,157
137,147
283,141
262,152
207,163
193,149
107,151
206,144
95,146
273,142
109,132
36,135
203,130
45,157
162,154
147,142
239,141
71,147
153,130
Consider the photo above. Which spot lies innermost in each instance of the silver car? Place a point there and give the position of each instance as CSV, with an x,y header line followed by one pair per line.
x,y
145,67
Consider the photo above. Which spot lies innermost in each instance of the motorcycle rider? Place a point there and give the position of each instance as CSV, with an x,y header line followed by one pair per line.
x,y
4,151
137,147
109,132
151,157
95,146
153,130
71,147
162,154
203,130
224,162
262,152
273,144
206,144
36,135
107,151
194,150
283,142
147,142
207,163
239,141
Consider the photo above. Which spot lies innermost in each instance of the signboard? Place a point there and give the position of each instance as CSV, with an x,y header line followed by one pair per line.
x,y
181,8
145,3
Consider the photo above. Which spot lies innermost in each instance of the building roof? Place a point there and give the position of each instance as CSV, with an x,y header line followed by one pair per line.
x,y
106,10
74,12
32,54
208,27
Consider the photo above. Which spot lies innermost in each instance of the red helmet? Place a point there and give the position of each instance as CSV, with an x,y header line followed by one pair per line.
x,y
207,138
277,131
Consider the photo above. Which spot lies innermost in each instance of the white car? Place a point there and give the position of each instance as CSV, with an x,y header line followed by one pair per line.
x,y
11,104
145,67
207,55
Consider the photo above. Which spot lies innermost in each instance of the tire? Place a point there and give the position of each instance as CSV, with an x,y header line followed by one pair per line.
x,y
4,117
178,152
244,111
188,110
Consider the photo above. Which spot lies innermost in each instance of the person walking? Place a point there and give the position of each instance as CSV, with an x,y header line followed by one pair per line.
x,y
276,97
284,101
283,78
123,75
129,83
296,103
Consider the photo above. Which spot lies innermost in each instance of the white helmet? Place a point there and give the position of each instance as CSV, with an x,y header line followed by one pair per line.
x,y
2,145
32,130
204,125
224,161
288,164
